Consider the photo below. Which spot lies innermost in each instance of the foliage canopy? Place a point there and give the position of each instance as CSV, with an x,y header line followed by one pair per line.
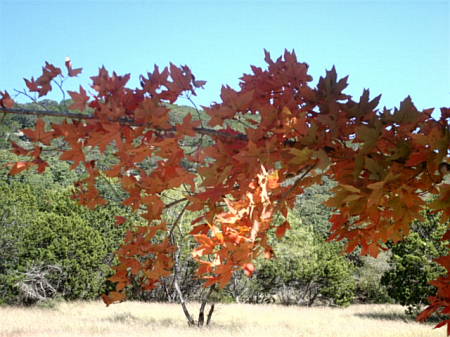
x,y
262,145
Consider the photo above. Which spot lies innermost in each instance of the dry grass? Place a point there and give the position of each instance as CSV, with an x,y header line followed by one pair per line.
x,y
150,319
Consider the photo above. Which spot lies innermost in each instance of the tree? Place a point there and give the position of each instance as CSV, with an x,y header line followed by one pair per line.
x,y
51,247
414,266
290,136
306,270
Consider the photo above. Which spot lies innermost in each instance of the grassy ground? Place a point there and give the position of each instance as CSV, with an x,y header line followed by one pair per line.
x,y
131,319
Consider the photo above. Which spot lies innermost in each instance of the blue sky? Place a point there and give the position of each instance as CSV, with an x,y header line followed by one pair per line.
x,y
394,48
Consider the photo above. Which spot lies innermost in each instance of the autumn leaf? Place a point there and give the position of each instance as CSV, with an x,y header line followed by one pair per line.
x,y
42,165
31,84
53,71
80,99
300,156
72,72
199,83
75,154
113,297
281,230
18,150
6,100
188,126
368,136
19,167
249,268
39,134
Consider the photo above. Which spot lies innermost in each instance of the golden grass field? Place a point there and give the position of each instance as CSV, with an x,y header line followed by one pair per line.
x,y
130,319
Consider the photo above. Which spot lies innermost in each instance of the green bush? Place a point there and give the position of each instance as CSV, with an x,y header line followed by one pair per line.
x,y
368,278
43,231
413,265
306,270
70,242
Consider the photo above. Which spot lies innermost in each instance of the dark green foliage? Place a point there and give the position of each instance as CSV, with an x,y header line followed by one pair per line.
x,y
68,242
413,265
310,208
306,270
45,237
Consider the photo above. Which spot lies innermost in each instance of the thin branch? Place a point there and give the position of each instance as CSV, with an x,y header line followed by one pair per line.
x,y
111,186
60,86
175,224
174,202
32,98
296,183
195,106
122,121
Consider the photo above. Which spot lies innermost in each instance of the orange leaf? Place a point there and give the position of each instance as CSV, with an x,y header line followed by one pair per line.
x,y
18,150
19,167
113,297
75,154
187,127
39,134
249,268
6,101
281,230
72,72
80,99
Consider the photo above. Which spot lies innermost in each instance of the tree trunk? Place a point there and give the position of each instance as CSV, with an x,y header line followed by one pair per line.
x,y
180,294
211,310
201,314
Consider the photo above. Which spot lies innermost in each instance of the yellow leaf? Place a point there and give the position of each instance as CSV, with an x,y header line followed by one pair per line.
x,y
350,188
300,156
376,186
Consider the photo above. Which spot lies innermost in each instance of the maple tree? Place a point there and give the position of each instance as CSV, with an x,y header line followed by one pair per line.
x,y
269,140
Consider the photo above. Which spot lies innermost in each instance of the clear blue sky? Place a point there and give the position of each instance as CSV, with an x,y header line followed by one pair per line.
x,y
394,48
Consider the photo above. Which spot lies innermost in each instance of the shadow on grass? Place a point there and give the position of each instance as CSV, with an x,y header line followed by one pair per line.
x,y
390,316
127,317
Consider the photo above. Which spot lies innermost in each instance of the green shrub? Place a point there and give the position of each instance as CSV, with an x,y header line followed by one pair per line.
x,y
43,229
413,265
306,270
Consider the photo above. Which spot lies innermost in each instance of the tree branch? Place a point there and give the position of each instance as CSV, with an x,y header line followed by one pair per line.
x,y
296,183
122,121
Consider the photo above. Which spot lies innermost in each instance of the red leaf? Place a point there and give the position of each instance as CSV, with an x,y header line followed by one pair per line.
x,y
75,154
72,72
187,127
199,84
31,85
42,165
113,297
80,99
18,150
52,70
249,268
19,167
6,101
281,230
39,134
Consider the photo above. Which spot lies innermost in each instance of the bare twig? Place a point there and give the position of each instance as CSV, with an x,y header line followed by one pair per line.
x,y
196,109
175,224
296,183
32,98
